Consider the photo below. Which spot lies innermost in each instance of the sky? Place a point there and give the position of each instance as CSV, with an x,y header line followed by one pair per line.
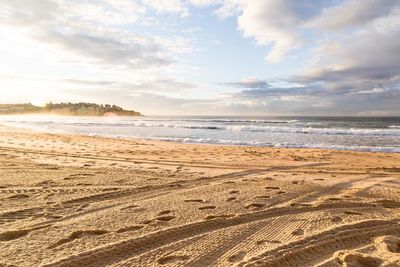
x,y
205,57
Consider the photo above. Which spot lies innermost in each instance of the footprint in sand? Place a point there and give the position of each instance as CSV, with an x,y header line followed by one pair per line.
x,y
334,199
211,207
263,196
175,185
11,235
272,187
229,199
165,218
165,212
146,221
78,234
237,257
133,208
172,259
130,228
254,206
83,184
194,200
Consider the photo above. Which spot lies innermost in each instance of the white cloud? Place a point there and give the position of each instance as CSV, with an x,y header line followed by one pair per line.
x,y
203,3
90,32
170,6
274,23
261,20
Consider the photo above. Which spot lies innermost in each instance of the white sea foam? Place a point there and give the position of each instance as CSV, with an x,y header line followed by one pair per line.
x,y
356,134
390,131
280,145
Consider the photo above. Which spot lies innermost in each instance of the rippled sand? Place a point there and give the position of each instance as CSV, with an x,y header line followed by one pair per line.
x,y
90,201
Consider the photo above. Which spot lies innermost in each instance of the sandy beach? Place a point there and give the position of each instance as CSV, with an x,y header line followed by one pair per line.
x,y
71,200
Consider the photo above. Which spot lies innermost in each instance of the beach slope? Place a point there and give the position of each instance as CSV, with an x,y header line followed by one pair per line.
x,y
91,201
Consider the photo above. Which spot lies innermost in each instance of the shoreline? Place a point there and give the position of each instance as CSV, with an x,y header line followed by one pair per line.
x,y
170,140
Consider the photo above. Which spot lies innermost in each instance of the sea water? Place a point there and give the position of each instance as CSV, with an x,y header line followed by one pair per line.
x,y
344,133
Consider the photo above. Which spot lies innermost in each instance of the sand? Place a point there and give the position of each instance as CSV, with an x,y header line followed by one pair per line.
x,y
89,201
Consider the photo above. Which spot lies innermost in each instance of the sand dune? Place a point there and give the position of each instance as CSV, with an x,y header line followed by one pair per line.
x,y
91,201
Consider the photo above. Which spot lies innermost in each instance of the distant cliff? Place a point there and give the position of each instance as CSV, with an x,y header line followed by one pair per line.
x,y
68,109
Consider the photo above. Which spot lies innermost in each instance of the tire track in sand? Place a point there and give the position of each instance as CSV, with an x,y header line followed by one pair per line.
x,y
315,248
123,250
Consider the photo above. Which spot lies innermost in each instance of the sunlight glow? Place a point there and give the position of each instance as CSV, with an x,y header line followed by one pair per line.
x,y
38,103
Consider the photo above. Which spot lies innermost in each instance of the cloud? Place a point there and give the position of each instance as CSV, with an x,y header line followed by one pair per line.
x,y
90,32
251,82
203,3
274,23
166,85
283,91
44,12
20,12
353,13
297,101
285,26
110,50
368,58
170,6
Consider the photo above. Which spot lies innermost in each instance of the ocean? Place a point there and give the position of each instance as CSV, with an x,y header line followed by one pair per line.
x,y
343,133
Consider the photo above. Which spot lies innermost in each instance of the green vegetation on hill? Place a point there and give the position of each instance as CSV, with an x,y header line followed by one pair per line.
x,y
69,109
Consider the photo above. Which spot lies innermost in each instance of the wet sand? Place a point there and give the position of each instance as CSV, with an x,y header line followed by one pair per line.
x,y
91,201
